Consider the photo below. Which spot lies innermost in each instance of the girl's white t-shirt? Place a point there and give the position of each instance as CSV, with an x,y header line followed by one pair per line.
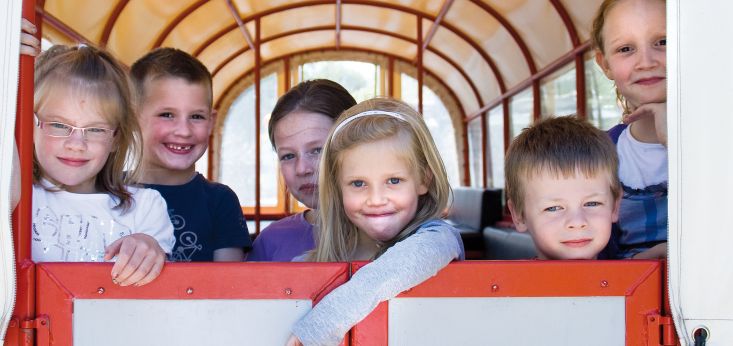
x,y
73,227
641,164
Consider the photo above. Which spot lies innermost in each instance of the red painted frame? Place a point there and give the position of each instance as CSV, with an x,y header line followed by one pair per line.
x,y
59,284
639,281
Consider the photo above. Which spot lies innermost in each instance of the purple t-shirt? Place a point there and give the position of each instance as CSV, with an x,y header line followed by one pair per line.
x,y
283,239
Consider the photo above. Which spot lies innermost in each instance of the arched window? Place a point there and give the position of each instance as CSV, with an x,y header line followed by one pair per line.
x,y
438,119
236,164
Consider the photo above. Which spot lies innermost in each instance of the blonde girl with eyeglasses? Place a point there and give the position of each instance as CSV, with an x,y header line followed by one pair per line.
x,y
86,137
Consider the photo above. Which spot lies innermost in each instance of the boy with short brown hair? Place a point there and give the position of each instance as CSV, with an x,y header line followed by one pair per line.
x,y
563,187
176,117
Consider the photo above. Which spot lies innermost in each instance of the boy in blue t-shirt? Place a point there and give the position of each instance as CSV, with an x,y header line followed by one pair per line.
x,y
177,118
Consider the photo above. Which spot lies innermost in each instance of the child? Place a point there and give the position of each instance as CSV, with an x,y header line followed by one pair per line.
x,y
82,209
299,125
176,118
562,187
382,190
629,37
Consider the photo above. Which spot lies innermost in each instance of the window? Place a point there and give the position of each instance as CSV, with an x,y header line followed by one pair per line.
x,y
359,78
600,93
437,119
237,167
520,112
496,146
236,164
558,93
475,139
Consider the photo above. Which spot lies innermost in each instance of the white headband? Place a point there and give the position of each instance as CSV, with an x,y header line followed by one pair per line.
x,y
368,113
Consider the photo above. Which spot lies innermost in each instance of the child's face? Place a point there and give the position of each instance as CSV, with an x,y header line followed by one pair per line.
x,y
380,191
72,161
299,138
567,218
635,50
176,121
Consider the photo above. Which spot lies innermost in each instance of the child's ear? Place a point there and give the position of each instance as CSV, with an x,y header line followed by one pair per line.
x,y
616,207
517,217
423,187
212,120
603,64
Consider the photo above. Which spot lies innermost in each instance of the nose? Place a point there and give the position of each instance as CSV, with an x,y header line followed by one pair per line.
x,y
648,57
182,127
76,140
304,166
377,196
577,220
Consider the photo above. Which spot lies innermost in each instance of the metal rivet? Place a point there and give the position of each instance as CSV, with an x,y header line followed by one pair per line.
x,y
494,288
288,291
652,319
189,290
604,283
100,290
43,322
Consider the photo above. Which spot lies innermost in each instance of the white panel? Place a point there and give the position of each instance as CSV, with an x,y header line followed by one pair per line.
x,y
185,322
562,321
700,90
10,39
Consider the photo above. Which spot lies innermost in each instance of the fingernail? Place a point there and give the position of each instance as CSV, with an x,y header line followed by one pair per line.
x,y
115,282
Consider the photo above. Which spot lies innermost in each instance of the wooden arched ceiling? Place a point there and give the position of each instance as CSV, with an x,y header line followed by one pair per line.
x,y
480,49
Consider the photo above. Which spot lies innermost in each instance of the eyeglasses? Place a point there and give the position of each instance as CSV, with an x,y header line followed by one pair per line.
x,y
57,129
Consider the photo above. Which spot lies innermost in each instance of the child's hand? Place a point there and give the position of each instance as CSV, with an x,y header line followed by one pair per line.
x,y
656,110
29,44
293,341
658,251
139,259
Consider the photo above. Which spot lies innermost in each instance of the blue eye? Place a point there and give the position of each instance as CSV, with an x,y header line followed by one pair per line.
x,y
317,151
357,183
198,117
394,181
287,157
593,204
553,208
59,126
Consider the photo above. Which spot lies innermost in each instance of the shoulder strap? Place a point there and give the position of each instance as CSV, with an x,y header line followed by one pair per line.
x,y
615,132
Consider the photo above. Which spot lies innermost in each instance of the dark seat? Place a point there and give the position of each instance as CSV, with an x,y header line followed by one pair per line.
x,y
472,210
507,244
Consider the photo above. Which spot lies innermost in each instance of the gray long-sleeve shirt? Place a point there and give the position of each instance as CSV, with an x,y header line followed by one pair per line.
x,y
403,266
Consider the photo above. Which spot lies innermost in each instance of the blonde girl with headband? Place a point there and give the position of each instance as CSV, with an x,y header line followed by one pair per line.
x,y
630,41
383,188
85,135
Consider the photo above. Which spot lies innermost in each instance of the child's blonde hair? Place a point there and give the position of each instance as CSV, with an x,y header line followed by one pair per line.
x,y
338,236
563,147
88,71
597,42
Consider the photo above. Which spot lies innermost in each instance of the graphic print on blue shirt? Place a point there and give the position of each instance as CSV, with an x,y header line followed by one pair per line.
x,y
206,216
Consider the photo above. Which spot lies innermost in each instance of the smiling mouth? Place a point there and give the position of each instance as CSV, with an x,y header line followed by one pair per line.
x,y
577,242
650,81
179,149
385,214
73,162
